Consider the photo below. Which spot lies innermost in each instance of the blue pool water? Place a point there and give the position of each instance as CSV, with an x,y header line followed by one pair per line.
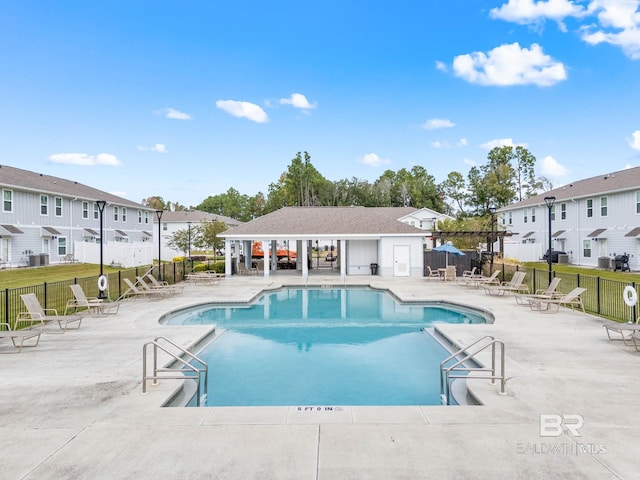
x,y
324,347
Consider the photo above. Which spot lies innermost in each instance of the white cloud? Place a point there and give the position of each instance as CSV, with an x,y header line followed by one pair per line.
x,y
501,142
85,159
468,161
463,142
173,114
373,160
619,25
247,110
435,123
526,12
508,65
550,167
297,100
158,147
634,141
441,66
439,144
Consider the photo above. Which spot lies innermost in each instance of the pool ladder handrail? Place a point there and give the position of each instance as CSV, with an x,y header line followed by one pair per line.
x,y
462,356
186,371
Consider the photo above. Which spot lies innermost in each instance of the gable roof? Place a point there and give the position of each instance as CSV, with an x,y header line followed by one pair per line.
x,y
197,216
12,177
320,222
620,181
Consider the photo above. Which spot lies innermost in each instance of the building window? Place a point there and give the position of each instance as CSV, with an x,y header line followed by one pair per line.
x,y
7,201
533,215
44,205
603,206
589,207
526,213
510,218
140,216
85,210
164,226
146,218
637,202
553,213
124,214
586,248
116,212
58,202
563,211
62,246
96,212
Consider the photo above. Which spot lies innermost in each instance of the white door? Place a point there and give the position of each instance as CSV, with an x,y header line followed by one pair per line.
x,y
401,260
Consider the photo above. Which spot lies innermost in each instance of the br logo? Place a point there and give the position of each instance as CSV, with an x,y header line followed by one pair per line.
x,y
552,425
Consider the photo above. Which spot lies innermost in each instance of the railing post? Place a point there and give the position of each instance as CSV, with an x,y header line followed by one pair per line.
x,y
598,295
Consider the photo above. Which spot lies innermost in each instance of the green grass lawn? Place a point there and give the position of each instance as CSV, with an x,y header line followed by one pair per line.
x,y
25,277
592,272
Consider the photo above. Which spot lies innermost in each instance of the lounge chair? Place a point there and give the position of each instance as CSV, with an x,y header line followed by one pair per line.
x,y
94,306
478,281
35,313
571,300
18,337
515,285
155,283
206,277
549,292
432,274
151,289
622,329
133,291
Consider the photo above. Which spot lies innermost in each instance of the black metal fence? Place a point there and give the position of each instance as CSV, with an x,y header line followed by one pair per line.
x,y
604,297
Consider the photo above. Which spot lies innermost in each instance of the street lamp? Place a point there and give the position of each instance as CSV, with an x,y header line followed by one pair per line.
x,y
492,211
159,216
549,201
101,204
189,244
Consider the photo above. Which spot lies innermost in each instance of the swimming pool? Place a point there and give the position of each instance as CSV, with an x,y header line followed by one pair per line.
x,y
324,346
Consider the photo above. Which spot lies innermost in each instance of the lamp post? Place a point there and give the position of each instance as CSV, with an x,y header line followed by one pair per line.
x,y
492,211
549,201
101,204
159,216
189,239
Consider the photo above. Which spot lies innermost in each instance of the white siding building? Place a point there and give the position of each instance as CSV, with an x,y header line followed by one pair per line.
x,y
592,220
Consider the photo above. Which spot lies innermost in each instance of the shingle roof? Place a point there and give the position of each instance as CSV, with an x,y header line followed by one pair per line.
x,y
197,216
394,212
39,182
323,221
622,180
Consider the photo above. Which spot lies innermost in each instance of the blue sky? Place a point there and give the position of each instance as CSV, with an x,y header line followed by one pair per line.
x,y
187,99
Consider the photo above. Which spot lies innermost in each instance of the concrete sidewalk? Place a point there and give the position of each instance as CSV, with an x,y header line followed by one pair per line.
x,y
72,408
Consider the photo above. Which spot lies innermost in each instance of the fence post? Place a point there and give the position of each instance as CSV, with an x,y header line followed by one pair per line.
x,y
45,294
597,292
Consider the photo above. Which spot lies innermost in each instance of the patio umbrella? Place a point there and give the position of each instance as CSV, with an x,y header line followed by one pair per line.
x,y
449,249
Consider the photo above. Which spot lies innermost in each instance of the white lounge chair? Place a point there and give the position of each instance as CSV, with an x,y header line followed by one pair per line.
x,y
94,306
515,285
133,291
571,300
35,313
622,329
549,292
18,337
478,281
155,283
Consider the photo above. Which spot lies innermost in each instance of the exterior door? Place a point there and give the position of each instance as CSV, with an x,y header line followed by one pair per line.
x,y
401,260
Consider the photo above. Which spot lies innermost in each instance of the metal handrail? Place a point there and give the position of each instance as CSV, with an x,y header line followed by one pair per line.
x,y
185,371
445,371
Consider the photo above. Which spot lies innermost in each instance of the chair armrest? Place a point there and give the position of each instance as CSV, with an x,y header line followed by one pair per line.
x,y
46,310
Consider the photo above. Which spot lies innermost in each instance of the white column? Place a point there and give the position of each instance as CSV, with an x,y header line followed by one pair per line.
x,y
343,258
265,261
227,258
303,258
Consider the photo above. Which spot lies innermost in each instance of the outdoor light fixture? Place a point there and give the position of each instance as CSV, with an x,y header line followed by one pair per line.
x,y
101,204
159,216
549,201
492,211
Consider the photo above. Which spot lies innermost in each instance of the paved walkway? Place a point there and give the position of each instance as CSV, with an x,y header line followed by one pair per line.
x,y
72,408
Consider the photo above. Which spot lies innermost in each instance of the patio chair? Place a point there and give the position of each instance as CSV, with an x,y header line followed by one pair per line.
x,y
155,283
570,300
450,273
549,292
467,275
133,291
432,274
621,329
18,337
515,285
94,306
35,313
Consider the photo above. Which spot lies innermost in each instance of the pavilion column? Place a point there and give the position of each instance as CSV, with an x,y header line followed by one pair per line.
x,y
303,256
265,261
343,257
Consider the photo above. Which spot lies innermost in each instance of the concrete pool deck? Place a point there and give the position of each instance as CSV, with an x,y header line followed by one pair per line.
x,y
72,407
